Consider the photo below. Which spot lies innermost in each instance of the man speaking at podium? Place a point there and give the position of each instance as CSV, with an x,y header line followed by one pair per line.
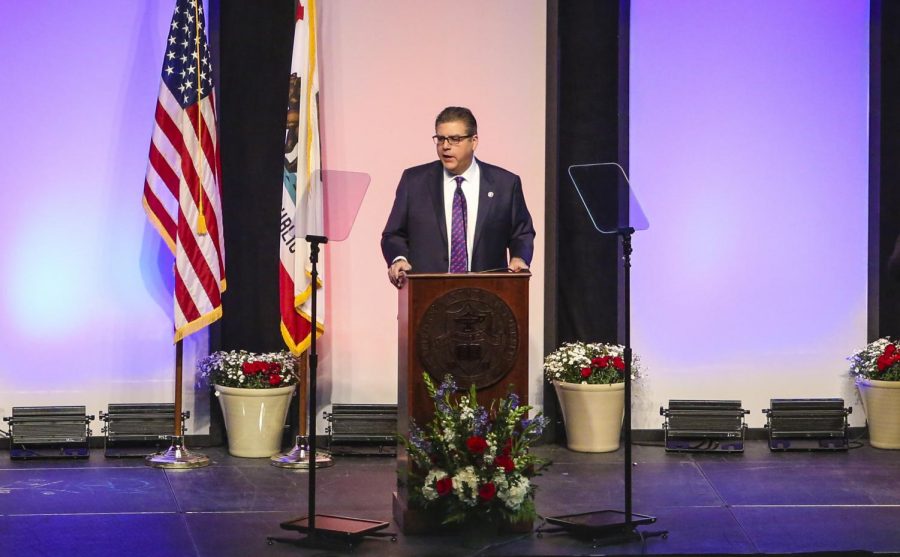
x,y
457,214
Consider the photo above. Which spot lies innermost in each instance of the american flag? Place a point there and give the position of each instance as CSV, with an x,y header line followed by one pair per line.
x,y
182,195
301,199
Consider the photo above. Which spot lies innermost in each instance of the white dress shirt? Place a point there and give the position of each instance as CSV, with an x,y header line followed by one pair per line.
x,y
471,187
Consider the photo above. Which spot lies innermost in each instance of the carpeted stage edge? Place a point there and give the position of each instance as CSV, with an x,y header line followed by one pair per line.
x,y
599,552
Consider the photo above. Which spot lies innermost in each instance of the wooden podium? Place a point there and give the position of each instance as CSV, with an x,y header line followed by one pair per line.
x,y
473,326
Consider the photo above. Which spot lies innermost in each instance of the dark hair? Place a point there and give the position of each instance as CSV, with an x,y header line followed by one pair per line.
x,y
458,114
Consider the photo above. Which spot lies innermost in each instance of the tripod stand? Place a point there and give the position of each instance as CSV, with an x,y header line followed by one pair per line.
x,y
609,526
331,531
330,217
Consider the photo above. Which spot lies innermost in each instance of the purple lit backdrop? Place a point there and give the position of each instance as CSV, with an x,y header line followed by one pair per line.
x,y
749,154
85,283
748,151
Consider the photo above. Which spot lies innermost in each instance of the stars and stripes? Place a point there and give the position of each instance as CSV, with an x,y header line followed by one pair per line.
x,y
182,195
302,200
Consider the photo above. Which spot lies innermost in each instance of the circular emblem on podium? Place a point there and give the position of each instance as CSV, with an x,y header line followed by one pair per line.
x,y
471,334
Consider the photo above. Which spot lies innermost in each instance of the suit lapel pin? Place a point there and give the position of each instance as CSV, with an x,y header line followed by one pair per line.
x,y
490,194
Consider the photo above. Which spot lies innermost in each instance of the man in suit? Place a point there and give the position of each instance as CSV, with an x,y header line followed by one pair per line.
x,y
481,205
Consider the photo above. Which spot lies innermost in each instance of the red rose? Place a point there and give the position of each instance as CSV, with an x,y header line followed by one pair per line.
x,y
604,361
250,368
444,486
476,445
585,372
273,367
506,463
274,379
507,447
889,349
596,362
882,362
618,363
487,491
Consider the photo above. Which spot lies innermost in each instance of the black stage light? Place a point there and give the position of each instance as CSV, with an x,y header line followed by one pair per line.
x,y
362,429
704,425
136,430
49,432
807,424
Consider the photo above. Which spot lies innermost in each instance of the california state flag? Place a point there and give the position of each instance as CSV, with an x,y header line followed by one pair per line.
x,y
301,199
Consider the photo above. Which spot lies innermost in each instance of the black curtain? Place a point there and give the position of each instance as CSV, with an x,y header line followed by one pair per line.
x,y
255,43
251,49
587,121
884,167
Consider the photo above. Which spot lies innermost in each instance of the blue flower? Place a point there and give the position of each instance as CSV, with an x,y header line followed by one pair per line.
x,y
481,421
416,438
538,423
447,387
513,401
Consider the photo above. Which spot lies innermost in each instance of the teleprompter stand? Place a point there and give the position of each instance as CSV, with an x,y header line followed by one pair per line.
x,y
342,195
598,185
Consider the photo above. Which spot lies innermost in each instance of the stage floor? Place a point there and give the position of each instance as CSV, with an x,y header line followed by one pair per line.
x,y
757,502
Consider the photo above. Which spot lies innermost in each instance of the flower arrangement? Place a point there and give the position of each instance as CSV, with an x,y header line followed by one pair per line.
x,y
879,360
246,370
590,363
471,463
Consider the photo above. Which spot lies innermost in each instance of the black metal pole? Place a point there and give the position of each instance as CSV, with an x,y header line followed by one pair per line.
x,y
314,242
626,341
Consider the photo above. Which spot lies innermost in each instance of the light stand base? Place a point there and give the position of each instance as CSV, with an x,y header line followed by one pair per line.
x,y
607,527
177,456
333,532
298,457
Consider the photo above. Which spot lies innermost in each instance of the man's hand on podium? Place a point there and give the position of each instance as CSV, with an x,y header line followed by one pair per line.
x,y
517,264
397,272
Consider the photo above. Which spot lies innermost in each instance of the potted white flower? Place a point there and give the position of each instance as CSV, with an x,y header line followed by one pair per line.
x,y
254,391
877,371
589,379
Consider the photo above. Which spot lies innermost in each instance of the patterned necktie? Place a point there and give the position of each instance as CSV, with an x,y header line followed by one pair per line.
x,y
459,254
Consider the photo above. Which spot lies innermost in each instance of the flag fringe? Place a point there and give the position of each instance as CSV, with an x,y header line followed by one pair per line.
x,y
154,220
303,345
302,297
198,323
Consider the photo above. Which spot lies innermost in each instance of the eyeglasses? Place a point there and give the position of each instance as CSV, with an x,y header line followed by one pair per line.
x,y
452,139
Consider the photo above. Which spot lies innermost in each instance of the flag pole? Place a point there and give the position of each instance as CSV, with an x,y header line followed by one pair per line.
x,y
298,457
177,456
182,201
300,162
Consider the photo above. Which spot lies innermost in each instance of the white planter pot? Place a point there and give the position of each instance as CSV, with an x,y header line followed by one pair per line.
x,y
593,415
254,419
881,400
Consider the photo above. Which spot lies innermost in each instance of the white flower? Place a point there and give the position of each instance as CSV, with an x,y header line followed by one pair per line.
x,y
491,450
466,413
428,490
226,369
447,435
515,492
465,485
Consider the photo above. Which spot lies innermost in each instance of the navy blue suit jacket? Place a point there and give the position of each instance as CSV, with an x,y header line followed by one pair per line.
x,y
417,226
